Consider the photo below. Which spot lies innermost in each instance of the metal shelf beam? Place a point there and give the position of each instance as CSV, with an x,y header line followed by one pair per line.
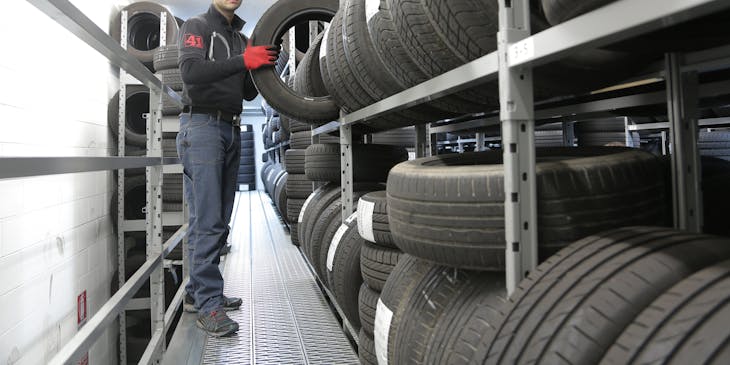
x,y
17,167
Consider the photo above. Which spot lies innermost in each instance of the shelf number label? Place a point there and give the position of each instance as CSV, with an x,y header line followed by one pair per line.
x,y
521,51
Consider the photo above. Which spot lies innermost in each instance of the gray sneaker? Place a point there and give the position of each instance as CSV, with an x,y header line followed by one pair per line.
x,y
217,323
229,304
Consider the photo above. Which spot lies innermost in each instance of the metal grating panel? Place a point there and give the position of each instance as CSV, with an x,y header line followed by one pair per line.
x,y
285,318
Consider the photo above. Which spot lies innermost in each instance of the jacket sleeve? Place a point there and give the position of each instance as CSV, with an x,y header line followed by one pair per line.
x,y
249,88
194,65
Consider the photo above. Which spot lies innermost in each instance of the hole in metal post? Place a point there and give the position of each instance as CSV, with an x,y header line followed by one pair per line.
x,y
515,197
527,273
522,77
515,247
523,127
513,147
526,226
524,176
691,212
507,3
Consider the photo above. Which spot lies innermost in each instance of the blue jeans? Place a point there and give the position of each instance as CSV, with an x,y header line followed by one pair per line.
x,y
210,150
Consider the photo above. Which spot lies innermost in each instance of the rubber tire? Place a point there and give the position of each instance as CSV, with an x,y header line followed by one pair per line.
x,y
345,278
371,163
308,77
574,306
271,27
379,228
306,212
450,208
368,299
394,298
404,137
377,263
166,57
172,78
143,8
135,132
295,161
280,197
558,11
293,231
300,140
444,298
366,350
293,207
687,324
298,186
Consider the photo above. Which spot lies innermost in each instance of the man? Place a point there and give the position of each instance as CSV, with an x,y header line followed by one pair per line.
x,y
215,60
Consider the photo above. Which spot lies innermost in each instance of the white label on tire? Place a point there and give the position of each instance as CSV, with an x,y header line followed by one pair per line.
x,y
383,317
371,8
306,203
336,241
365,220
323,46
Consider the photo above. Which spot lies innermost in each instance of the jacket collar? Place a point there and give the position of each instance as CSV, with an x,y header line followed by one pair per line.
x,y
237,22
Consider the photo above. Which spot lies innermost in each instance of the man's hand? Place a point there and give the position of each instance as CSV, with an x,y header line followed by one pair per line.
x,y
259,56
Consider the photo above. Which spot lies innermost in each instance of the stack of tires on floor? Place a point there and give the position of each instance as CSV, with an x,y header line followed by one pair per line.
x,y
246,180
143,33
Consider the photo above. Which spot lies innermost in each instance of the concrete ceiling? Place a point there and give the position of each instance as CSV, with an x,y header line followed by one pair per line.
x,y
250,11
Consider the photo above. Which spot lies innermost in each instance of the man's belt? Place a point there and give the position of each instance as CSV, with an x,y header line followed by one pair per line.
x,y
232,118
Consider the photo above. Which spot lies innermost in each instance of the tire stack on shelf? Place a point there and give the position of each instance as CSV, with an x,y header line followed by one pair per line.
x,y
604,132
715,143
447,214
378,258
246,180
331,247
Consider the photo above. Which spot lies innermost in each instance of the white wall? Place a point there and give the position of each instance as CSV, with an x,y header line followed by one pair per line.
x,y
56,237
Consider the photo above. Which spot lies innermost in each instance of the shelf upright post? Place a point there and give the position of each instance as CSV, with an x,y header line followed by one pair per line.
x,y
121,251
480,142
346,165
518,137
568,134
422,145
682,103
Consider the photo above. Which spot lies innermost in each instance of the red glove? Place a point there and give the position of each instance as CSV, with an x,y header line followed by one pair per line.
x,y
258,56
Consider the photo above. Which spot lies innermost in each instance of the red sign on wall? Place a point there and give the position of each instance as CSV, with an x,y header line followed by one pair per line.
x,y
81,309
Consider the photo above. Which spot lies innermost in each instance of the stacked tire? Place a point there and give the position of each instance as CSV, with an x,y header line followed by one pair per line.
x,y
447,214
246,180
378,258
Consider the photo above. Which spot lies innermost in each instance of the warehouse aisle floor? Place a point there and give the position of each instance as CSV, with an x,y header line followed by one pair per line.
x,y
285,319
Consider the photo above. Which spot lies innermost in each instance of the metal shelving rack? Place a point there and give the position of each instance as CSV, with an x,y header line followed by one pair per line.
x,y
132,71
518,53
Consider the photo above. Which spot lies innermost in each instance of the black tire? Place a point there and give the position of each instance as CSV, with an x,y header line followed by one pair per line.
x,y
306,213
591,139
392,53
298,187
137,103
172,78
371,162
372,219
393,303
558,11
573,307
143,29
426,30
343,269
246,169
308,78
450,208
368,299
300,140
366,350
271,27
377,263
293,207
246,136
295,161
166,57
445,297
170,107
265,157
247,143
325,229
265,170
293,230
296,126
135,197
280,196
685,325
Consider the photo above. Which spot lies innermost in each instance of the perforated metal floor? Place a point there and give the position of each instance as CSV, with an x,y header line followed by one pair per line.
x,y
284,319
